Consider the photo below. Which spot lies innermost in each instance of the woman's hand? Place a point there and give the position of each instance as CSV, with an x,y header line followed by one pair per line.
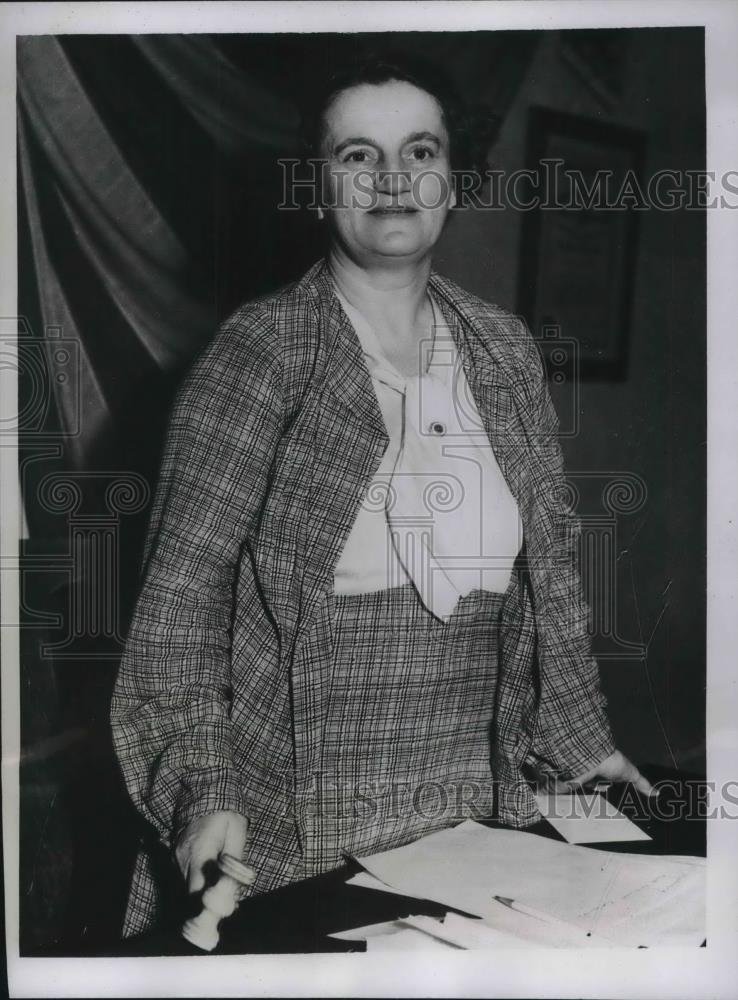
x,y
616,767
202,842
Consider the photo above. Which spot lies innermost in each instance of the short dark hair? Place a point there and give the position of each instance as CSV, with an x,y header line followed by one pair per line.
x,y
377,66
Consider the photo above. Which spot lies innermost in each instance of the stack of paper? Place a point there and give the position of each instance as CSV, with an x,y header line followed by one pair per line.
x,y
398,935
561,894
502,927
430,933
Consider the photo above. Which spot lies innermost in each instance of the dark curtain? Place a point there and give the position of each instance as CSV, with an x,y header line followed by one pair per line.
x,y
148,194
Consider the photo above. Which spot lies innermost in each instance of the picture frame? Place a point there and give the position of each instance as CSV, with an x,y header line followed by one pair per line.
x,y
579,240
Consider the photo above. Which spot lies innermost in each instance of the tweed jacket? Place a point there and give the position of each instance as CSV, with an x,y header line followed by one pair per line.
x,y
274,439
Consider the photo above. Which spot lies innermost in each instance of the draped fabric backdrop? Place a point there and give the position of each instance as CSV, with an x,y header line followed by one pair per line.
x,y
148,194
150,186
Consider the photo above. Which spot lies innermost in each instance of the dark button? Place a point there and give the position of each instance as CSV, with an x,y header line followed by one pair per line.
x,y
438,428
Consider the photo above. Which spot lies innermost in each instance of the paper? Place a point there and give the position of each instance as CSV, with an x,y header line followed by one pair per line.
x,y
625,898
467,932
587,819
508,927
453,931
667,908
370,930
409,939
501,927
399,935
365,880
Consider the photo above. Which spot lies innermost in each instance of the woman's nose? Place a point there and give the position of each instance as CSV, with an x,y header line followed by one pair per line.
x,y
393,182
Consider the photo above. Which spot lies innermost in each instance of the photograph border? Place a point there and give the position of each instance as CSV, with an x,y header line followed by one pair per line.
x,y
527,973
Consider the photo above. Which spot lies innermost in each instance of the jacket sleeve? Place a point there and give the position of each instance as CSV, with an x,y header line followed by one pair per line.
x,y
170,709
572,732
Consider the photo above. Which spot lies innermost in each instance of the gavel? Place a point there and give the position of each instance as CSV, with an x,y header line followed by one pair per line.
x,y
219,901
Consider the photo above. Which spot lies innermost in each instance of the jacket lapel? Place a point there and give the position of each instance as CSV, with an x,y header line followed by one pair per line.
x,y
346,375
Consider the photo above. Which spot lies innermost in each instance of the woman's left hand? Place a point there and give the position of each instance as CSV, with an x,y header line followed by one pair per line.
x,y
616,767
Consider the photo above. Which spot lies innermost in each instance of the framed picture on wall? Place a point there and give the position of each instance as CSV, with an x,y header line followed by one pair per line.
x,y
580,238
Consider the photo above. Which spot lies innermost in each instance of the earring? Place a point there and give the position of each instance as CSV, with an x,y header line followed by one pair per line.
x,y
321,216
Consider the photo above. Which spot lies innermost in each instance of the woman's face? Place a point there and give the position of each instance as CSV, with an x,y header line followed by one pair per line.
x,y
388,187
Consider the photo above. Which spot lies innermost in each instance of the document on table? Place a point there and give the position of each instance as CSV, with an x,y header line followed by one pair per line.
x,y
625,899
408,939
502,927
364,880
396,935
416,932
587,819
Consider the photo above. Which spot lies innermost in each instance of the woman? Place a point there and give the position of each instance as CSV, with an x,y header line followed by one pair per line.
x,y
360,618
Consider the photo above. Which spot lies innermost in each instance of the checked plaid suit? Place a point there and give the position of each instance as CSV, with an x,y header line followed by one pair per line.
x,y
275,435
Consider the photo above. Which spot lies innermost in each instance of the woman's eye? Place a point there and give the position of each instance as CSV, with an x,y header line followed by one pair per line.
x,y
357,156
421,153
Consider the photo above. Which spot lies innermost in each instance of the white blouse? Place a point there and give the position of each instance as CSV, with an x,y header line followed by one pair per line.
x,y
438,512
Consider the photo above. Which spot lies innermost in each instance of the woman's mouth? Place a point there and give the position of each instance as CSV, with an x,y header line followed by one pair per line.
x,y
392,210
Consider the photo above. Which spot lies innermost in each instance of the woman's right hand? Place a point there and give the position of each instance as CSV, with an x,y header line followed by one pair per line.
x,y
202,842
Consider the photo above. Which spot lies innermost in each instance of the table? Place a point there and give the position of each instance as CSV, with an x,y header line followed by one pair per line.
x,y
297,918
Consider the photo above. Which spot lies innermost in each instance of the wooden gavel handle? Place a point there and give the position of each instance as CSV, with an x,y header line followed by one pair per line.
x,y
219,901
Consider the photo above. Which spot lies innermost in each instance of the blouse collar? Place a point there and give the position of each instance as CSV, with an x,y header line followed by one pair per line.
x,y
380,367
